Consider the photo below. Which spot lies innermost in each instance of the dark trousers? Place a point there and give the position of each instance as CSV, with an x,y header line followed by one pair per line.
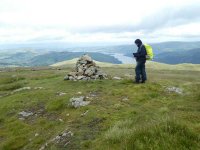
x,y
140,72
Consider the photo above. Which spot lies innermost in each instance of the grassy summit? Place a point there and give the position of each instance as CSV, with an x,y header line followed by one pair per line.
x,y
121,115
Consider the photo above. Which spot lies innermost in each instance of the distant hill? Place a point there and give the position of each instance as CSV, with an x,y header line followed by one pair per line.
x,y
177,57
174,46
53,57
41,55
157,47
17,59
31,59
149,64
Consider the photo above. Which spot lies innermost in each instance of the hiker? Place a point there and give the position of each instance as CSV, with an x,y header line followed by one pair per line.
x,y
140,57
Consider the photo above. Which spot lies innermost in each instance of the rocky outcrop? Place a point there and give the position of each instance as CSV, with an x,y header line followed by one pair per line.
x,y
86,69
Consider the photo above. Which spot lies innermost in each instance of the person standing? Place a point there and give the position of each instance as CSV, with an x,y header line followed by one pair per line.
x,y
140,57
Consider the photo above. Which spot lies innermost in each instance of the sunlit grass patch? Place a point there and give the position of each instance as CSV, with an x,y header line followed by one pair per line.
x,y
121,130
152,135
11,86
56,104
10,79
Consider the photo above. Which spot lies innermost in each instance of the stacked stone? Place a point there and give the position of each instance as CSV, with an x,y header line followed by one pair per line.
x,y
86,69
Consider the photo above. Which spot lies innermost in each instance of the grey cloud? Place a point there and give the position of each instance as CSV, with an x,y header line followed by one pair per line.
x,y
172,17
46,39
167,17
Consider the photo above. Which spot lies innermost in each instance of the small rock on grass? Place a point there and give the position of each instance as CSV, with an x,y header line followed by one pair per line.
x,y
25,114
61,120
21,89
85,113
117,78
61,93
125,99
38,88
174,90
77,102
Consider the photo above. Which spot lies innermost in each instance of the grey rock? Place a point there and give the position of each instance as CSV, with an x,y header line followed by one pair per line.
x,y
78,102
94,77
62,138
80,77
86,58
61,93
125,99
22,89
71,78
90,71
72,74
80,71
38,88
66,144
60,120
42,148
83,62
85,79
174,90
85,113
25,114
66,77
21,118
117,78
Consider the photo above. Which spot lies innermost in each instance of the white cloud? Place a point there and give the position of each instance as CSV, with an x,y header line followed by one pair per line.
x,y
97,20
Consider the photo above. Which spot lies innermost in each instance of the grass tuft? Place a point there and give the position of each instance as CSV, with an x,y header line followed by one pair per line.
x,y
152,136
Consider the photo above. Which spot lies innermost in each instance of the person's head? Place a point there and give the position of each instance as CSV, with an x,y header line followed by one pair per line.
x,y
138,42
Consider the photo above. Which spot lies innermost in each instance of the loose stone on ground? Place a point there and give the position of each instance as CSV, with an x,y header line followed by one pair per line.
x,y
77,102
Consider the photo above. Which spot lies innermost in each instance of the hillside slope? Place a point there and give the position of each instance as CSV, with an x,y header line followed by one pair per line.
x,y
163,113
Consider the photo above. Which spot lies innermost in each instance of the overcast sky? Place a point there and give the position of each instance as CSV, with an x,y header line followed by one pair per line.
x,y
98,21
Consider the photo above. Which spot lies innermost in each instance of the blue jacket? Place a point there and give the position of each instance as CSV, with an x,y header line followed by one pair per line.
x,y
141,54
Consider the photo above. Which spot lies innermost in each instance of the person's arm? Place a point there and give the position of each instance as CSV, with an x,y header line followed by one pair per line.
x,y
141,52
135,54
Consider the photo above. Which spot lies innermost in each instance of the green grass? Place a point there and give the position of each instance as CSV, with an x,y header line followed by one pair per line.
x,y
149,118
151,135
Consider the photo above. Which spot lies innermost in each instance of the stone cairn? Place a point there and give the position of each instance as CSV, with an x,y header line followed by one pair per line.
x,y
85,69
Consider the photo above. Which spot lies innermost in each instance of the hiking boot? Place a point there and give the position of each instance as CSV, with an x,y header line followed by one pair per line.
x,y
143,81
136,82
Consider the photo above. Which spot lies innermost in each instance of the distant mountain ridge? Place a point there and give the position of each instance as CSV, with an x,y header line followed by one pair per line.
x,y
32,59
178,57
41,55
125,49
53,57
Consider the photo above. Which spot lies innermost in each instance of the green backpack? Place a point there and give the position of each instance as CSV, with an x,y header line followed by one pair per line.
x,y
149,51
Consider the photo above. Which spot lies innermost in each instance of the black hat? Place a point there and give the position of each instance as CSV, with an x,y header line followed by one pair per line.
x,y
138,41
